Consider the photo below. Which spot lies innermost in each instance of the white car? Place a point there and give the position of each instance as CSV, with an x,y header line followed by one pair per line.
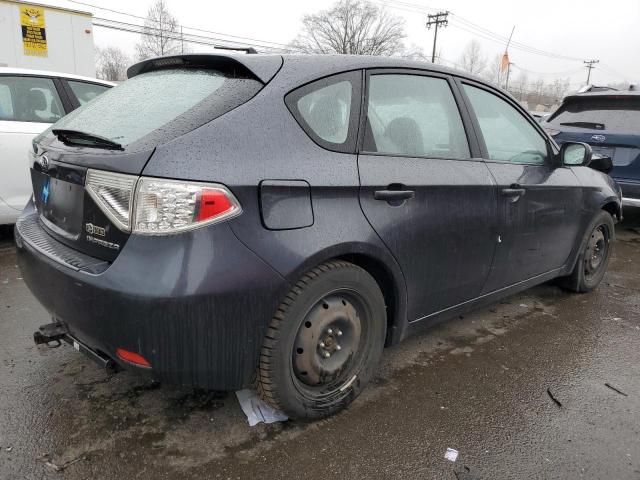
x,y
30,101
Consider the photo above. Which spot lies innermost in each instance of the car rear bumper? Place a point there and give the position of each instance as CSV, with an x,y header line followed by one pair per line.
x,y
195,305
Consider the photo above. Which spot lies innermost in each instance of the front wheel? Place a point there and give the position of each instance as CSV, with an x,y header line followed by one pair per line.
x,y
324,342
594,257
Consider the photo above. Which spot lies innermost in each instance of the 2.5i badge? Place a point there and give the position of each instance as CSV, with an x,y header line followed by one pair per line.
x,y
94,231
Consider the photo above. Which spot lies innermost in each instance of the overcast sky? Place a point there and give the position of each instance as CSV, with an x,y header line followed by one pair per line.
x,y
588,29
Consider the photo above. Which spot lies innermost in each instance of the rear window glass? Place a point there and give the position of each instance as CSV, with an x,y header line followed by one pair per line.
x,y
613,114
154,107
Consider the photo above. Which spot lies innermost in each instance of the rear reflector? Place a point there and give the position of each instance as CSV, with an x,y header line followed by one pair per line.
x,y
132,357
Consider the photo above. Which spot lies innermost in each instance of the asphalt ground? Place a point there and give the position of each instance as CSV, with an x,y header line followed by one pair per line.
x,y
483,384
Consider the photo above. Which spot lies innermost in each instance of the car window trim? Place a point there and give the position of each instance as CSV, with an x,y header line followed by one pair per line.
x,y
72,96
474,150
59,90
354,77
67,102
461,81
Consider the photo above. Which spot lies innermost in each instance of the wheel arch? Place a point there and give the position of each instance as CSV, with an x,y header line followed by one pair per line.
x,y
382,267
614,208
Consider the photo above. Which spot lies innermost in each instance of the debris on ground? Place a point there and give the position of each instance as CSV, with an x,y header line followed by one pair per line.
x,y
9,449
555,400
451,454
464,474
63,466
257,410
615,389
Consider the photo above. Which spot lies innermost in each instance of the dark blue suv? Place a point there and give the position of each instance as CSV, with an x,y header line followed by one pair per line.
x,y
608,120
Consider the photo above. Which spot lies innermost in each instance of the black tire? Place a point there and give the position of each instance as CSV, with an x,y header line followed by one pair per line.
x,y
324,342
594,256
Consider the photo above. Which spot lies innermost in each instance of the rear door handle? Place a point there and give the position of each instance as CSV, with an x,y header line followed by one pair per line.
x,y
391,195
514,192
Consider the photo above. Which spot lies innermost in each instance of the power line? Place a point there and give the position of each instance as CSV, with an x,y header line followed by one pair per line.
x,y
514,44
196,29
189,37
475,29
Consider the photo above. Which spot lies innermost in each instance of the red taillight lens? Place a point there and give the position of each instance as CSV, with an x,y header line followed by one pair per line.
x,y
132,357
212,203
171,206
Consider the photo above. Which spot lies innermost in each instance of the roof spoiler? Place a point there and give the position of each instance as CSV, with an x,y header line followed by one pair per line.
x,y
596,88
262,67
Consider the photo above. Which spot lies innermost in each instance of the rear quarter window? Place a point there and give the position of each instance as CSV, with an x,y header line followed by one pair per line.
x,y
328,110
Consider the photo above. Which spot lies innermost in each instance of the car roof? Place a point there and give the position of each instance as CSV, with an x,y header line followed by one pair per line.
x,y
303,67
44,73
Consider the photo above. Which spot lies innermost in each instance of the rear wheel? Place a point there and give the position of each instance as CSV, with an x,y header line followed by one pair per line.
x,y
594,258
324,342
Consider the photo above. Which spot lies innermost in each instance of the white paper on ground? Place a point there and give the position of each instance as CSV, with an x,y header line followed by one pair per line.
x,y
257,410
451,454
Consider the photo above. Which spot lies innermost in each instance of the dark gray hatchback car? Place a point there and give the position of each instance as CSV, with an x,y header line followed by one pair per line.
x,y
222,221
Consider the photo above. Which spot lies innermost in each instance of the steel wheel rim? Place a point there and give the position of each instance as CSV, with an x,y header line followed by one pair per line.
x,y
596,251
327,349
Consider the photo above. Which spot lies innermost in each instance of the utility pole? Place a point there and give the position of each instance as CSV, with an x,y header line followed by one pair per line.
x,y
506,85
590,66
437,20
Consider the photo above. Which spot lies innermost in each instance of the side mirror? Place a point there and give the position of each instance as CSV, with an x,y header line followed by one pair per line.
x,y
601,163
575,154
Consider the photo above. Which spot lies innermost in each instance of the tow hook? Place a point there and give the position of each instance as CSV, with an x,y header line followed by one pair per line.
x,y
50,335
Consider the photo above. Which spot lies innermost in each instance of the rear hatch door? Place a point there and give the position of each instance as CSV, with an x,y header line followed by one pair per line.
x,y
609,123
85,167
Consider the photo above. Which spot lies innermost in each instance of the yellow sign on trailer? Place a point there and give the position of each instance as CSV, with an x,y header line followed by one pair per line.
x,y
34,33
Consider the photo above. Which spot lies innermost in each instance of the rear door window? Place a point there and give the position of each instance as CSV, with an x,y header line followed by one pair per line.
x,y
154,107
620,114
508,135
85,91
413,115
29,99
328,110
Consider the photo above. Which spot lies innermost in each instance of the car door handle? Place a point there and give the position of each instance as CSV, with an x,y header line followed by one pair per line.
x,y
391,195
513,192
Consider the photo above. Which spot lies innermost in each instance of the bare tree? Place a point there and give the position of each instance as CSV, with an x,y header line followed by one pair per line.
x,y
161,33
520,86
415,52
472,59
351,27
111,63
558,89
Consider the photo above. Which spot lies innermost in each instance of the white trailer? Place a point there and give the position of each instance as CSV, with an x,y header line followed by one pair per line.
x,y
43,37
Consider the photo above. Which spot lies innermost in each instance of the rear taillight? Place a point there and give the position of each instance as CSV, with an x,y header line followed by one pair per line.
x,y
167,206
152,206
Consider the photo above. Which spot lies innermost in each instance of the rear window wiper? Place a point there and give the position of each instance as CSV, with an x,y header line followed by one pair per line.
x,y
596,126
74,137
